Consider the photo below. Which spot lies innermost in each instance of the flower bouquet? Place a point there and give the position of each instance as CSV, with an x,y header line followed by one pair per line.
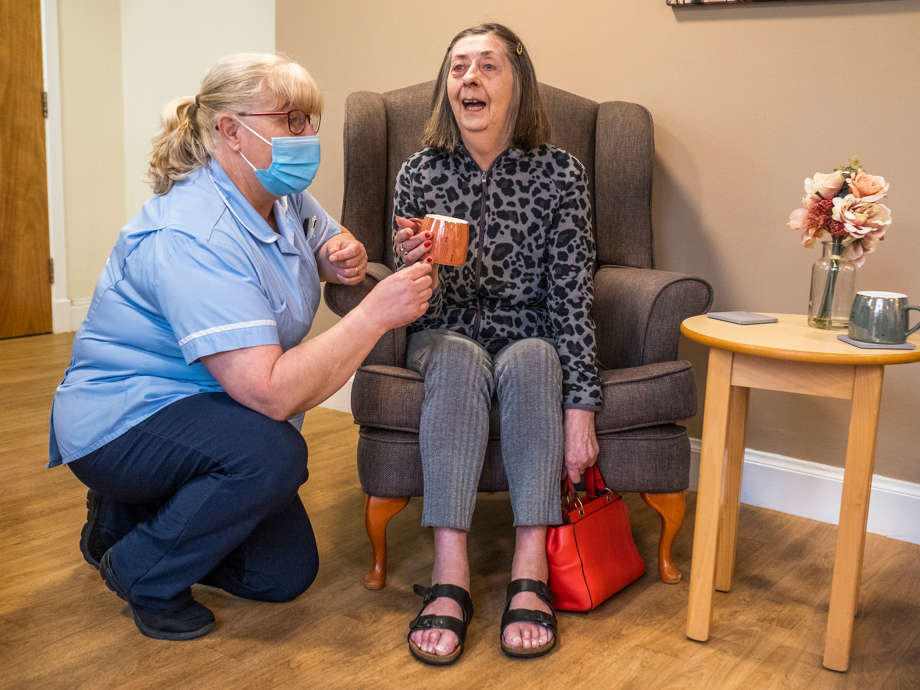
x,y
845,205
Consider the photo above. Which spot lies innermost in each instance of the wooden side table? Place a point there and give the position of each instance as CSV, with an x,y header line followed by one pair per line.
x,y
785,356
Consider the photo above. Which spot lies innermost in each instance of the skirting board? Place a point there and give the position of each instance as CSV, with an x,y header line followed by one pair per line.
x,y
67,314
812,490
341,399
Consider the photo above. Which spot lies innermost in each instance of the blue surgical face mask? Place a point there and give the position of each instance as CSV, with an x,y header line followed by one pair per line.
x,y
294,163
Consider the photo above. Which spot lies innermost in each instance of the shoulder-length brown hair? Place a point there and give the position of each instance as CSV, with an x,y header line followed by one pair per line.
x,y
530,126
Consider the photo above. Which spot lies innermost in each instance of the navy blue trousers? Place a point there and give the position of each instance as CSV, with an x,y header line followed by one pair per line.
x,y
205,490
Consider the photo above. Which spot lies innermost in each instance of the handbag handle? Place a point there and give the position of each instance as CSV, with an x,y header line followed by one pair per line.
x,y
594,487
568,491
569,497
594,482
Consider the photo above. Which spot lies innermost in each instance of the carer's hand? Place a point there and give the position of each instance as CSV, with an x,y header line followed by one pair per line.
x,y
581,447
347,259
401,297
411,244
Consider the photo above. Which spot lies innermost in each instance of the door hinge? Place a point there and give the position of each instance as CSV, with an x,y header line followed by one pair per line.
x,y
51,271
45,104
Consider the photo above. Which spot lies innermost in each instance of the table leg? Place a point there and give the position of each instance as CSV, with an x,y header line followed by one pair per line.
x,y
854,511
709,494
731,491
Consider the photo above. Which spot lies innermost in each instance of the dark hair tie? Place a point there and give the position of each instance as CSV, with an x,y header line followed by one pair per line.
x,y
192,112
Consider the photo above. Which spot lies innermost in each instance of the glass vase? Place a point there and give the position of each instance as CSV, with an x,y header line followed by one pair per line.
x,y
833,286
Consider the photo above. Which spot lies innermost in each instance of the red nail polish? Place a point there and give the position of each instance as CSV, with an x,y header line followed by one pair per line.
x,y
427,244
429,259
427,234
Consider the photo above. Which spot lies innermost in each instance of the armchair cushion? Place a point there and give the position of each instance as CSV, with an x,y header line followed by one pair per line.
x,y
655,459
388,397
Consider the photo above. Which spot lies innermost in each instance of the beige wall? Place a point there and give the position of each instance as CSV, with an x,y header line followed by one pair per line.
x,y
747,102
93,146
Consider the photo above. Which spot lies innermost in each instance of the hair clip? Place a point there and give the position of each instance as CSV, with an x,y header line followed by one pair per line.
x,y
520,49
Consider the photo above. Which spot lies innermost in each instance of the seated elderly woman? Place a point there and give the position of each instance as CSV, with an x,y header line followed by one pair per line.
x,y
189,366
513,322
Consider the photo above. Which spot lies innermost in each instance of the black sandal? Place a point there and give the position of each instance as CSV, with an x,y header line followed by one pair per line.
x,y
547,620
427,622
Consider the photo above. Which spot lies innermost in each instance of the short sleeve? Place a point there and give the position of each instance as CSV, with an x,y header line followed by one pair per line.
x,y
318,226
209,293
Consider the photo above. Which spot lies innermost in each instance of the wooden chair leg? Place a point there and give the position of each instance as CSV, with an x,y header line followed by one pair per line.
x,y
671,507
377,514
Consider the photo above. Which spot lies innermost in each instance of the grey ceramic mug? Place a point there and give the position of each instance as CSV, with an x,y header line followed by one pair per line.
x,y
880,317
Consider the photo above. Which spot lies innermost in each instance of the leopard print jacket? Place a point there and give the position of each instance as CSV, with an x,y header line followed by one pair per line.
x,y
529,267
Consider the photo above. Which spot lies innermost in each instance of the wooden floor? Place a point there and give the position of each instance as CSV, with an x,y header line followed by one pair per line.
x,y
60,627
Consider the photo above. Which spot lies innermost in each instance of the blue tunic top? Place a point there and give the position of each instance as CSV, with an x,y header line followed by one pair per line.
x,y
197,271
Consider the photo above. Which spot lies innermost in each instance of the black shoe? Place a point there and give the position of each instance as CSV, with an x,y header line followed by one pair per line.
x,y
92,544
547,620
184,623
457,626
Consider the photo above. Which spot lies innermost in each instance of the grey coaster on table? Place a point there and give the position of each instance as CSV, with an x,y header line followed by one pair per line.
x,y
744,318
875,346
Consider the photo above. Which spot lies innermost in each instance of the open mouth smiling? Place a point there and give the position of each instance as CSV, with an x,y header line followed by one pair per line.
x,y
473,104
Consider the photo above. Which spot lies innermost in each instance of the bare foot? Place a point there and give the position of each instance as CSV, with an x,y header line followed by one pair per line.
x,y
527,635
529,563
437,640
450,568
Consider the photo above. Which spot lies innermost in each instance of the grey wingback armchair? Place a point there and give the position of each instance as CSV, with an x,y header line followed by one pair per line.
x,y
637,310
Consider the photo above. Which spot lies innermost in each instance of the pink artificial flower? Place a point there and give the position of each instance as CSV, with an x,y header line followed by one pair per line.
x,y
867,188
858,249
858,217
797,219
824,185
854,216
810,236
855,253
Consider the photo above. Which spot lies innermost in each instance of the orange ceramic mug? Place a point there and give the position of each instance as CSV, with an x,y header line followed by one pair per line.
x,y
450,238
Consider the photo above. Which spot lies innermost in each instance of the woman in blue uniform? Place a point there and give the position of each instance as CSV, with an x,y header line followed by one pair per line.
x,y
182,404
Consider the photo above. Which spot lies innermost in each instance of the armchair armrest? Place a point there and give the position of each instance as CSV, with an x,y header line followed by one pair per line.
x,y
341,299
638,311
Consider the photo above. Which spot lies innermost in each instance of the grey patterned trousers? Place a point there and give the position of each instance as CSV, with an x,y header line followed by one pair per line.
x,y
461,381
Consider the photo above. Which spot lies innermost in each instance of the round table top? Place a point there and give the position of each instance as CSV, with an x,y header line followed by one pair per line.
x,y
791,338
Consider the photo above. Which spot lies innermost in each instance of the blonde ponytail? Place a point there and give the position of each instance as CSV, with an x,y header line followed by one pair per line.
x,y
188,135
178,148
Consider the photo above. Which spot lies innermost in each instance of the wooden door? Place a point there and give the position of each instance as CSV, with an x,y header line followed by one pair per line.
x,y
25,280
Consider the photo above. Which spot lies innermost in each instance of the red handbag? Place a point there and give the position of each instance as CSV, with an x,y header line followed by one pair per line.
x,y
592,554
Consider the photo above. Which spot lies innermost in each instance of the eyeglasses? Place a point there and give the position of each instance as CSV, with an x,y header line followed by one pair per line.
x,y
297,119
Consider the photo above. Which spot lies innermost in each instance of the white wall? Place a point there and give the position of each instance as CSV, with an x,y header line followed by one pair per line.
x,y
119,62
167,46
86,146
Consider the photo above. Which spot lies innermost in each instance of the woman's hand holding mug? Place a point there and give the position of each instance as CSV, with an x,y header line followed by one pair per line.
x,y
412,244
